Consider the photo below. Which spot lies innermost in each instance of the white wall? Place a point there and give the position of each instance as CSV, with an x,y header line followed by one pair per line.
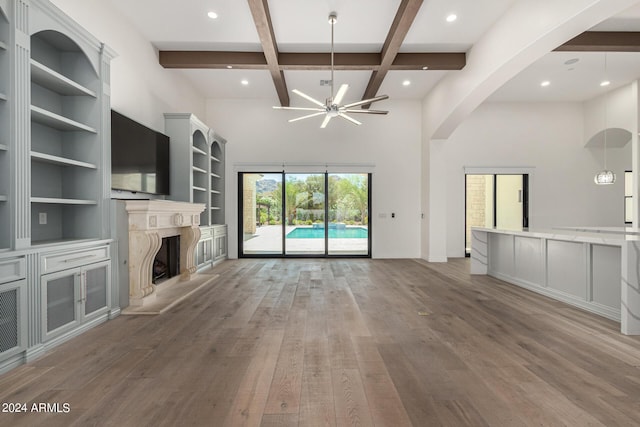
x,y
259,134
549,138
140,87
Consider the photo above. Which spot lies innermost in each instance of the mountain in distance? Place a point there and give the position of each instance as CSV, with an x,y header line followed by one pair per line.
x,y
266,186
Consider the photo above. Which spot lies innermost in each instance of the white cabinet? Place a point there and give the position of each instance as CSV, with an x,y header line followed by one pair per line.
x,y
73,296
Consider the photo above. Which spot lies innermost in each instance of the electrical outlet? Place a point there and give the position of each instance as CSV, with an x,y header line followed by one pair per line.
x,y
393,215
42,218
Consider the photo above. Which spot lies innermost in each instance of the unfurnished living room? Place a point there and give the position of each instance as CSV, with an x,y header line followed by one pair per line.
x,y
319,212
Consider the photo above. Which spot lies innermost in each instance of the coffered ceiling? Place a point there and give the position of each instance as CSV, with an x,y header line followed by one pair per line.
x,y
264,41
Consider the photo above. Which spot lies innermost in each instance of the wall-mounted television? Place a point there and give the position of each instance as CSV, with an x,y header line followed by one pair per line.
x,y
139,157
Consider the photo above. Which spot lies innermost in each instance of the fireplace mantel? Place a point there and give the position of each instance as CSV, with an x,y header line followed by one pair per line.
x,y
149,221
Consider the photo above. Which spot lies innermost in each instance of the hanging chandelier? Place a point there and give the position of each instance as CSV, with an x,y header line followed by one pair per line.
x,y
605,176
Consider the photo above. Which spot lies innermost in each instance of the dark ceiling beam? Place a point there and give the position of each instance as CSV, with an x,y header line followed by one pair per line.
x,y
212,59
308,61
262,19
603,41
407,12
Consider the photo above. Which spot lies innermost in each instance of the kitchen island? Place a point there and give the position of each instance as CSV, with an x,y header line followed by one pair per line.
x,y
596,269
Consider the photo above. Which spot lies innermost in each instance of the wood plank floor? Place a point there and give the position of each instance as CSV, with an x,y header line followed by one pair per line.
x,y
341,342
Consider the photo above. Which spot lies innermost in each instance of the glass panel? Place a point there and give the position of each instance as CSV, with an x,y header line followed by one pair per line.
x,y
479,194
509,202
304,214
96,283
348,214
61,308
262,213
628,210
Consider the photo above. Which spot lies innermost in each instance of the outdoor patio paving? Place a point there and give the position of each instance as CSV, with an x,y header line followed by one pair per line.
x,y
268,240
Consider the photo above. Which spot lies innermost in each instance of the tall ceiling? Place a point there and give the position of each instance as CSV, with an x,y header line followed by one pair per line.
x,y
362,27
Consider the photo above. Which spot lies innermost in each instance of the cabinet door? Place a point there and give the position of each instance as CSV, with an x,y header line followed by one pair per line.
x,y
221,246
60,299
13,319
96,290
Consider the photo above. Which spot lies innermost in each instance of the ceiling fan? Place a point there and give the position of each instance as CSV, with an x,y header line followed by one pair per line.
x,y
332,107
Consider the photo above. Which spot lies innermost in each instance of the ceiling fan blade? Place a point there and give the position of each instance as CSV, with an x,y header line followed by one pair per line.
x,y
306,117
341,92
364,111
307,97
325,122
351,119
275,107
366,101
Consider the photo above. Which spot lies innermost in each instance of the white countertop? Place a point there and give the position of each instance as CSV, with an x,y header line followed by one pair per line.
x,y
570,235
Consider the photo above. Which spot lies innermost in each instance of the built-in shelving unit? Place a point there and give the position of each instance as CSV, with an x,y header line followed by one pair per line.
x,y
55,247
217,182
65,185
5,133
197,165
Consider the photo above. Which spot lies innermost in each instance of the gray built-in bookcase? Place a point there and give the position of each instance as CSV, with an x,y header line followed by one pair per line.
x,y
197,176
5,131
55,237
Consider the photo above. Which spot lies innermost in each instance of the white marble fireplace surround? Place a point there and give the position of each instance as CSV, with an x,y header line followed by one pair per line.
x,y
150,221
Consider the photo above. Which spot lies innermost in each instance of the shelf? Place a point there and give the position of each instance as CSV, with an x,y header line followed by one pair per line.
x,y
57,201
3,97
46,77
197,150
215,208
215,175
3,147
47,158
197,169
215,159
215,192
47,118
3,198
3,45
199,189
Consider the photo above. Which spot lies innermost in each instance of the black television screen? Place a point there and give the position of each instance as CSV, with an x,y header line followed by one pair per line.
x,y
139,157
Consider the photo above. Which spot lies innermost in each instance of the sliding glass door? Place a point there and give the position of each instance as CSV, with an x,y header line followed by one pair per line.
x,y
348,214
495,200
304,214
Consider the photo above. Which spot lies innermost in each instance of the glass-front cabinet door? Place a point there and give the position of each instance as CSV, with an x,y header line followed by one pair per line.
x,y
73,296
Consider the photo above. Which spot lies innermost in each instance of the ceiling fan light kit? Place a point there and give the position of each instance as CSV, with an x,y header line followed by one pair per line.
x,y
333,106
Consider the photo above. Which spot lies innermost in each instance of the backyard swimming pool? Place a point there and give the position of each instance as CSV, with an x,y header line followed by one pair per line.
x,y
334,233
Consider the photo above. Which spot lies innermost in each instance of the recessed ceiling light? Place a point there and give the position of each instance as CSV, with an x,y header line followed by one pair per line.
x,y
545,83
605,83
406,83
425,68
212,15
229,66
452,17
244,82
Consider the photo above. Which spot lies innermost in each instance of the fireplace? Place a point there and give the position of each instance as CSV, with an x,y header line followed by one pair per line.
x,y
149,223
166,264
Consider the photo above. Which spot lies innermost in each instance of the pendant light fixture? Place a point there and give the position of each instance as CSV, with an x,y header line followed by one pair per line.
x,y
605,176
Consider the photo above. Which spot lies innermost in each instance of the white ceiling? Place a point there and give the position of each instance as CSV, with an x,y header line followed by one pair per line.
x,y
301,26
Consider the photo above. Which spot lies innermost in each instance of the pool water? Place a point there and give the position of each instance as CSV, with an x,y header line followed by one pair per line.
x,y
318,233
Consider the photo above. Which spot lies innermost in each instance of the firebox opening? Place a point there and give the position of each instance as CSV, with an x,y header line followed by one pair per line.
x,y
167,261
